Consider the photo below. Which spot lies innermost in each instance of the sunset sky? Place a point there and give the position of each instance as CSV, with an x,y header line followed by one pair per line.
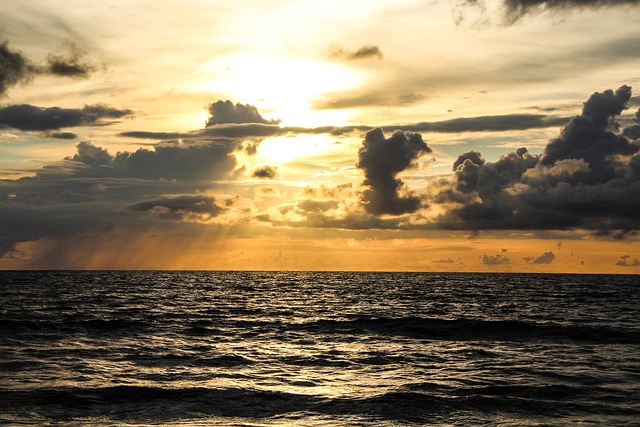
x,y
443,135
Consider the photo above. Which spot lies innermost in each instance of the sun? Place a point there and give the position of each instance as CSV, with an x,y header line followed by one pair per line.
x,y
281,87
281,149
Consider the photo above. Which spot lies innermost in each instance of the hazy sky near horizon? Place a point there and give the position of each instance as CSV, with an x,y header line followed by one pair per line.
x,y
443,135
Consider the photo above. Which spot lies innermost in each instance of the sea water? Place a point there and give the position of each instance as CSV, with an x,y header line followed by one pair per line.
x,y
318,349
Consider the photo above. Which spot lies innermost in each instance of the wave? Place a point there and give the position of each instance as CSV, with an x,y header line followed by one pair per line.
x,y
412,327
224,361
152,404
67,325
472,329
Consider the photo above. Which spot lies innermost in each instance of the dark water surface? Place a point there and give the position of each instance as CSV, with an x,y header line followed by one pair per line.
x,y
318,349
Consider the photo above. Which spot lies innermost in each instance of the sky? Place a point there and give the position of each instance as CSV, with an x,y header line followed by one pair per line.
x,y
391,135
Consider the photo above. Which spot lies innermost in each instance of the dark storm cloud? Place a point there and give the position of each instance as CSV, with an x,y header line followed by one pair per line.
x,y
16,68
31,118
633,132
381,160
265,172
180,207
24,221
223,112
587,177
94,190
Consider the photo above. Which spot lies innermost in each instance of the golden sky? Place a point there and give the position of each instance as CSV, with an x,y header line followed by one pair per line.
x,y
444,135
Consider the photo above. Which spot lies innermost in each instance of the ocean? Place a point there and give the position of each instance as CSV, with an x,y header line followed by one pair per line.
x,y
192,348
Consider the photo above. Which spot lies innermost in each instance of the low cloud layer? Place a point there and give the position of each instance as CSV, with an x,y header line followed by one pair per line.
x,y
181,208
230,121
31,118
95,191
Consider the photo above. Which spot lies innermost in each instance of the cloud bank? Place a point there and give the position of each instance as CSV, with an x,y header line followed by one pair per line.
x,y
588,177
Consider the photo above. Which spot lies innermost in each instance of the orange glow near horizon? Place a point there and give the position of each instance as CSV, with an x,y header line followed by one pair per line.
x,y
210,252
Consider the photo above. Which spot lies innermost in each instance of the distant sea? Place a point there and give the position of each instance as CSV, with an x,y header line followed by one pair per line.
x,y
318,349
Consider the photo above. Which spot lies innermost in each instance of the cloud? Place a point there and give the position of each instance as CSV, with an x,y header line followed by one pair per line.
x,y
224,112
365,52
495,260
267,191
443,261
181,208
350,99
625,261
265,172
31,118
74,64
588,177
514,10
93,190
545,258
633,132
155,135
497,123
210,160
15,68
228,120
63,135
381,160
